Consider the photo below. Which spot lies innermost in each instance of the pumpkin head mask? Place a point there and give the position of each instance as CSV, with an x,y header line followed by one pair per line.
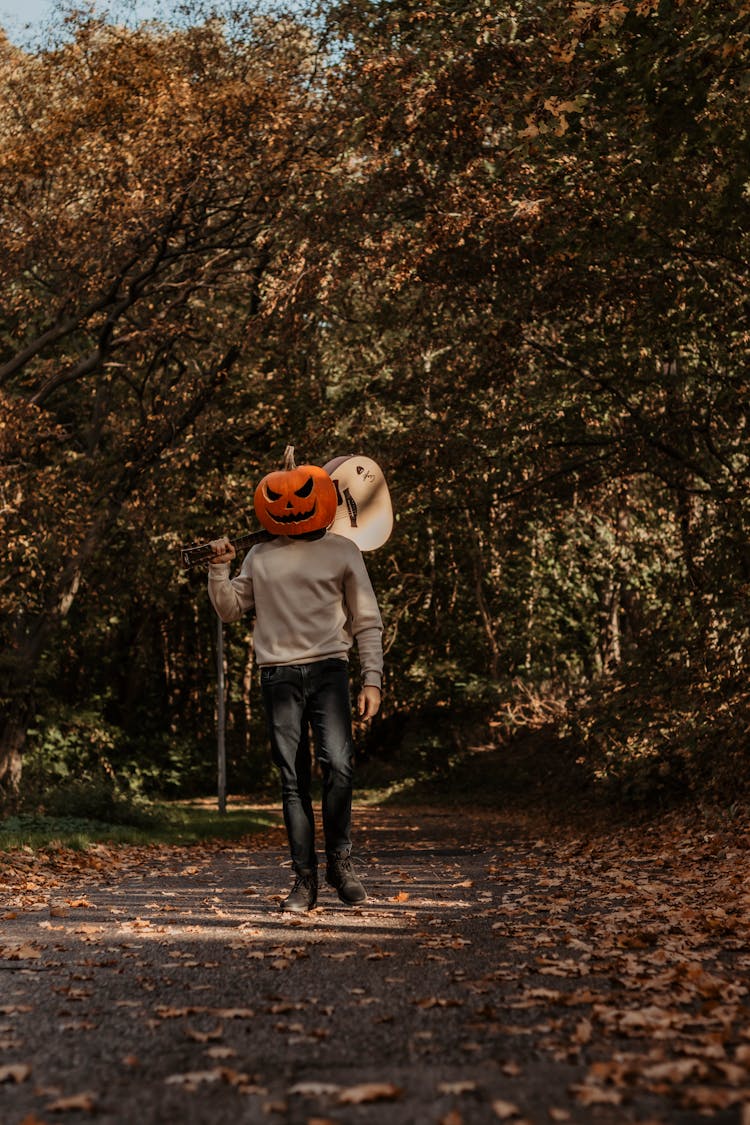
x,y
295,500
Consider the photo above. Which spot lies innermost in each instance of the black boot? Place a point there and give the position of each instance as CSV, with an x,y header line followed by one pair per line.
x,y
304,893
339,874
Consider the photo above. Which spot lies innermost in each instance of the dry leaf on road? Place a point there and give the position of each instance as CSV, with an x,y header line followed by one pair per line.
x,y
314,1089
505,1110
204,1036
15,1072
369,1092
23,952
85,1101
457,1087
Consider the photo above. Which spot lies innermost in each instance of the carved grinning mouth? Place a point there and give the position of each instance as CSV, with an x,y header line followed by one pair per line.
x,y
295,517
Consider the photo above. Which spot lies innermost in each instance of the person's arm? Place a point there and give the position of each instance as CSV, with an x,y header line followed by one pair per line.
x,y
368,702
229,597
367,629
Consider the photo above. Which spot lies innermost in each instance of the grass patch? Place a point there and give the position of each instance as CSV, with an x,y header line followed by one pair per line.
x,y
174,823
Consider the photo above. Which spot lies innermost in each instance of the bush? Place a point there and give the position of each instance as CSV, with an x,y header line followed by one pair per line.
x,y
666,734
101,800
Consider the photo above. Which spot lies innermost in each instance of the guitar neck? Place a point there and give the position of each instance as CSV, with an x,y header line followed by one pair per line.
x,y
199,553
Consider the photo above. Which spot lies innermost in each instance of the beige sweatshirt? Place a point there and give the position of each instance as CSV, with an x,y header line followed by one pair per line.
x,y
312,598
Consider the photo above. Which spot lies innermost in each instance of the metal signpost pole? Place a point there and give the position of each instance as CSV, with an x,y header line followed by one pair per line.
x,y
220,717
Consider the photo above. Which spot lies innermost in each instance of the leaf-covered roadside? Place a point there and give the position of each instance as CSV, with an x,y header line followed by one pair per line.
x,y
643,959
506,973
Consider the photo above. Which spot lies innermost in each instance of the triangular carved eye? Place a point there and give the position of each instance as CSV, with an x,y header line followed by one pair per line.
x,y
306,489
271,494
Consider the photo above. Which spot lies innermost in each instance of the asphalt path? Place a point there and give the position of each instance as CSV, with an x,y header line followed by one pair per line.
x,y
164,985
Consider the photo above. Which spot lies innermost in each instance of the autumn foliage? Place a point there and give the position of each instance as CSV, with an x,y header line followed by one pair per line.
x,y
500,248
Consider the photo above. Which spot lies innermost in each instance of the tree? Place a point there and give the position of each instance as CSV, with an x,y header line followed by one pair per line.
x,y
145,175
551,202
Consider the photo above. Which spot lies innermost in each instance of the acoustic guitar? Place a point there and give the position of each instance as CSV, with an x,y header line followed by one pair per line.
x,y
364,512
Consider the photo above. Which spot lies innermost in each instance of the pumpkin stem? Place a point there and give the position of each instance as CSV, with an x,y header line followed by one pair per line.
x,y
289,459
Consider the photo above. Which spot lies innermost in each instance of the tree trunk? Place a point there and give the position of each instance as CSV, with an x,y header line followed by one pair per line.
x,y
531,603
482,604
12,742
18,708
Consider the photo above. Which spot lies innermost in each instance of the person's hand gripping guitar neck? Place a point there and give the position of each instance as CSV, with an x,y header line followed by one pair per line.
x,y
223,551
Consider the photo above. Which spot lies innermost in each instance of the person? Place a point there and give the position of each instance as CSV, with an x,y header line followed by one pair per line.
x,y
312,598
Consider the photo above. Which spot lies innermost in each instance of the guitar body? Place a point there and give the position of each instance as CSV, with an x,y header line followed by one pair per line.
x,y
364,512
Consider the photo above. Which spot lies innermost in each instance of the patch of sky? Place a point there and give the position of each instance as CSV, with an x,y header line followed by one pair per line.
x,y
32,24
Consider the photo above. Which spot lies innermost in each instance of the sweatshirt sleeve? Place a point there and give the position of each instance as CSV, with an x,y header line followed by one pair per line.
x,y
231,597
366,623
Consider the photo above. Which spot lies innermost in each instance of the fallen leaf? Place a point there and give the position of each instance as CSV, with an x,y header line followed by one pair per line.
x,y
595,1095
676,1070
275,1107
16,1072
25,952
438,1002
193,1079
708,1097
314,1089
457,1087
512,1069
505,1110
369,1092
204,1036
85,1102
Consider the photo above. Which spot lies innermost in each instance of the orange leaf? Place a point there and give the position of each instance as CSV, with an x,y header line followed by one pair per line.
x,y
457,1087
204,1036
505,1110
369,1092
16,1072
85,1102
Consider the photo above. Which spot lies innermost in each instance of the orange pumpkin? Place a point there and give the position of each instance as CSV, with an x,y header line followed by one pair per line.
x,y
293,501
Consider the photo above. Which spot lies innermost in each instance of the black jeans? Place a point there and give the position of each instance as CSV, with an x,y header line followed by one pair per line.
x,y
295,695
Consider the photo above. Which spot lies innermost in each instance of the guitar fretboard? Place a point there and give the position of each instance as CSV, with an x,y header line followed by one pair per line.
x,y
198,553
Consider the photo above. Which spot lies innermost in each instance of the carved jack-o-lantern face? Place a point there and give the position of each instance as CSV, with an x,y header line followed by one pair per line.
x,y
295,501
